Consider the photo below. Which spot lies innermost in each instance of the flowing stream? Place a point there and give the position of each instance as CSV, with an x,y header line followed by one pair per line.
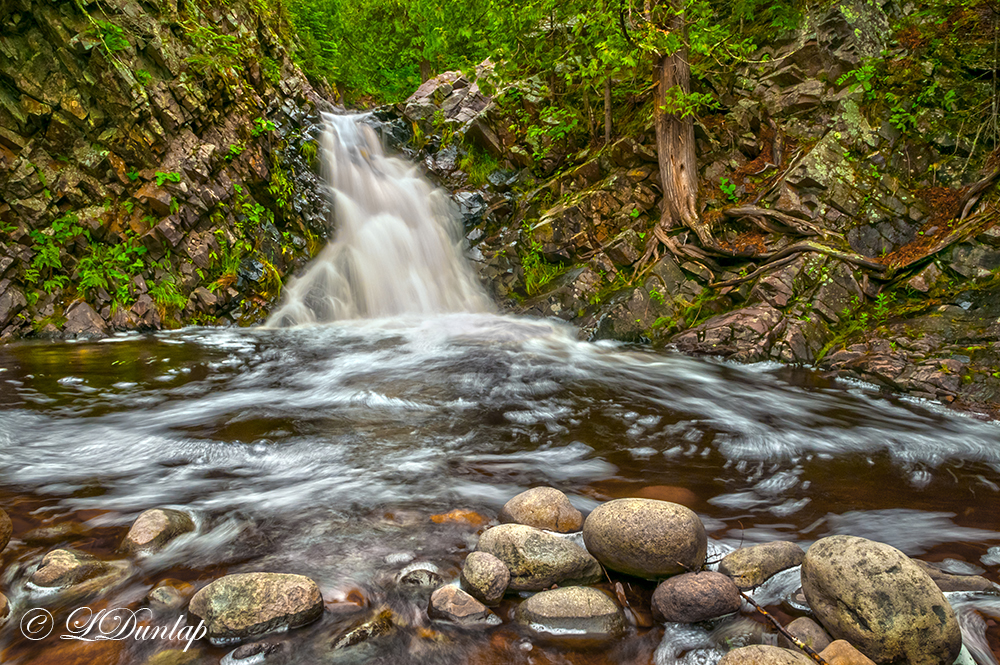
x,y
351,450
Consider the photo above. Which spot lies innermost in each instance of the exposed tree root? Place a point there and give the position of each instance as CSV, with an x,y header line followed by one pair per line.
x,y
787,255
800,226
975,192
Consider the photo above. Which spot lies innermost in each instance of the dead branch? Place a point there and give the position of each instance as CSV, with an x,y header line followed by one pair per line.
x,y
755,274
781,629
977,190
960,232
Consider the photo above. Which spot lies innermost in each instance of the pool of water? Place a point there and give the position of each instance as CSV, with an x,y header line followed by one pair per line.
x,y
340,451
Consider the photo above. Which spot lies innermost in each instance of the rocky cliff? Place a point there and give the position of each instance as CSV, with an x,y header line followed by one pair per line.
x,y
850,238
156,164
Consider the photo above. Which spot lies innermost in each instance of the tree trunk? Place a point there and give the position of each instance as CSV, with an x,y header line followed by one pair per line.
x,y
675,145
587,111
425,69
607,110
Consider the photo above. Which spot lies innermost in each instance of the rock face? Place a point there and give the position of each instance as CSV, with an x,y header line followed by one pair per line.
x,y
765,655
752,566
238,606
485,577
6,529
693,597
645,537
537,560
155,528
572,610
876,598
452,604
544,508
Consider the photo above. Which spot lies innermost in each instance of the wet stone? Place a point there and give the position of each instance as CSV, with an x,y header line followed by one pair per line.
x,y
6,529
155,528
543,508
572,611
645,537
419,575
66,568
247,604
952,582
842,652
808,632
694,597
485,577
750,567
537,560
765,655
452,604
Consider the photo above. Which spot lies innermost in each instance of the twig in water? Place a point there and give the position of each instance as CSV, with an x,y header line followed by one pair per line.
x,y
781,629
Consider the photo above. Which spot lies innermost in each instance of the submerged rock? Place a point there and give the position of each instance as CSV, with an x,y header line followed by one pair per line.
x,y
238,606
694,597
952,582
875,597
379,625
759,654
572,610
169,594
646,537
485,577
537,560
543,508
750,567
452,604
64,569
808,632
155,528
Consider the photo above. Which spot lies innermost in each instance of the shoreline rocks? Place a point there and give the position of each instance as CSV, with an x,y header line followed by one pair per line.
x,y
537,560
646,538
248,604
543,508
750,567
485,577
876,598
694,597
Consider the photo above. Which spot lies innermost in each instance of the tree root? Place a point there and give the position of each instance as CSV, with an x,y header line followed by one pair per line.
x,y
800,226
975,192
781,629
787,255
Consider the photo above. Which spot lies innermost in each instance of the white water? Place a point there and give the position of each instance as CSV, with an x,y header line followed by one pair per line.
x,y
397,246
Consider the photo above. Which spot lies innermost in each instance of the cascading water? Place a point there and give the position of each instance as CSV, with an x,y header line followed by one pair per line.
x,y
396,250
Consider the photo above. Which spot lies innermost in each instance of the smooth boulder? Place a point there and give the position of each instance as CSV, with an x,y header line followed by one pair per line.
x,y
876,598
750,567
694,597
62,569
646,538
572,610
843,652
759,654
155,528
452,604
543,508
808,632
537,560
951,582
246,604
485,577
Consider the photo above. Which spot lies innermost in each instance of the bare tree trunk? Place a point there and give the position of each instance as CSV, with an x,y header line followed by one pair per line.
x,y
675,148
607,110
591,132
425,69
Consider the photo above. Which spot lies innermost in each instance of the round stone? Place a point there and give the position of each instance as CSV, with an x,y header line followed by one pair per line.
x,y
750,567
155,528
6,529
876,598
646,538
485,577
694,597
452,604
759,654
808,632
572,611
537,559
237,606
543,508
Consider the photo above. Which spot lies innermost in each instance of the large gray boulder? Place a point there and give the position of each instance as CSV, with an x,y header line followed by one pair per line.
x,y
876,598
750,567
537,560
572,610
645,537
246,604
544,508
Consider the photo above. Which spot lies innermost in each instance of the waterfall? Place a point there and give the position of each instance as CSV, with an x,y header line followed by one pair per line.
x,y
397,248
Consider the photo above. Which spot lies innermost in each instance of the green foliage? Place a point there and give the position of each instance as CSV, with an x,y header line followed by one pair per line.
x,y
729,189
310,151
279,187
111,36
133,175
162,177
143,77
235,150
111,267
537,271
213,52
45,270
479,165
271,70
262,125
166,295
